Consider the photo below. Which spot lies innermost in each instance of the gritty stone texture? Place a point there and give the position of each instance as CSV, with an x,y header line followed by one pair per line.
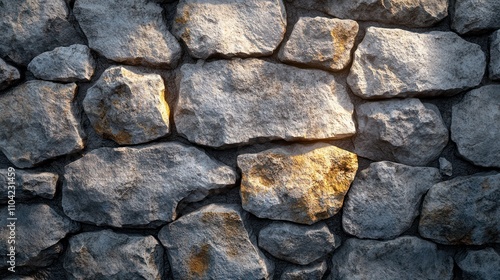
x,y
230,28
400,130
64,64
127,106
28,184
310,272
241,101
398,63
298,183
8,74
385,198
212,243
472,16
495,56
406,257
475,126
128,31
479,264
445,167
41,115
133,186
320,42
104,255
299,244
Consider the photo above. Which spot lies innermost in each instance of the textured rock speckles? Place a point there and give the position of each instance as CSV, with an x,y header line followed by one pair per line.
x,y
8,74
38,123
404,131
475,126
479,264
298,183
127,106
471,16
495,56
130,31
398,63
213,243
464,210
108,255
28,184
64,64
230,28
133,186
309,272
240,101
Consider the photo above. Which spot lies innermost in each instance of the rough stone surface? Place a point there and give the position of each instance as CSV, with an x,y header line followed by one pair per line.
x,y
445,167
398,63
108,255
212,243
472,16
39,228
132,186
310,272
241,101
127,106
28,184
385,198
230,28
320,42
298,183
41,115
128,31
8,74
64,64
298,244
495,56
479,264
406,257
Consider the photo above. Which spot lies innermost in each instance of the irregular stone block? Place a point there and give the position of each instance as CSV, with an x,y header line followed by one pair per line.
x,y
495,56
28,185
310,272
445,167
8,74
479,264
471,16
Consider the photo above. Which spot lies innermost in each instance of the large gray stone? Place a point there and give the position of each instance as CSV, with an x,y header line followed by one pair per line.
x,y
472,16
27,184
38,122
128,106
464,210
104,255
140,185
310,272
479,264
213,243
406,257
8,74
475,126
240,101
495,55
128,31
398,63
400,130
230,28
385,198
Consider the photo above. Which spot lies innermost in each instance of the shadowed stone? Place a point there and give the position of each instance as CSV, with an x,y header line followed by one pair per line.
x,y
8,74
479,264
495,56
28,184
472,16
310,272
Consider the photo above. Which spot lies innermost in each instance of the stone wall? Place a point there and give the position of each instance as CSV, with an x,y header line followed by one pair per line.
x,y
250,139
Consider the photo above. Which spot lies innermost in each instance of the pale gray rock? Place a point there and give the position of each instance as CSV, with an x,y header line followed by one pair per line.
x,y
475,126
479,264
230,28
320,42
104,255
495,56
299,244
8,74
310,272
128,106
230,102
445,167
398,63
38,123
128,31
406,257
64,64
400,130
213,243
464,210
140,185
472,16
385,198
31,27
28,184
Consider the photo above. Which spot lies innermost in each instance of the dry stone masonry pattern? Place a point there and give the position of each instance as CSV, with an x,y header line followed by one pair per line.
x,y
250,139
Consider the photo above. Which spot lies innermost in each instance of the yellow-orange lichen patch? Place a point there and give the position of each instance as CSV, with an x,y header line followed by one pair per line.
x,y
199,261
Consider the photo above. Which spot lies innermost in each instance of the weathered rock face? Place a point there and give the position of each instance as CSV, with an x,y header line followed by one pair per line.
x,y
475,126
495,56
131,31
475,16
479,264
464,210
400,130
139,185
235,102
310,272
8,75
385,198
212,243
320,42
210,27
445,167
298,183
40,114
28,184
298,244
108,255
406,257
64,64
127,106
399,63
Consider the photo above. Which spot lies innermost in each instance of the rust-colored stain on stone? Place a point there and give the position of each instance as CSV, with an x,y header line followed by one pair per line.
x,y
199,261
